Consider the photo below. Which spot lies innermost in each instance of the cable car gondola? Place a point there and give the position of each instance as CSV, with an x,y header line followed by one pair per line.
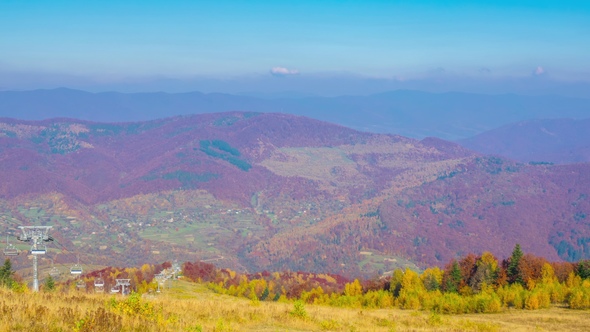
x,y
54,272
10,249
76,269
99,282
114,290
80,284
39,250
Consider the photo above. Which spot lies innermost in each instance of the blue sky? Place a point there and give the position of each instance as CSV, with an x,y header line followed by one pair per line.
x,y
126,41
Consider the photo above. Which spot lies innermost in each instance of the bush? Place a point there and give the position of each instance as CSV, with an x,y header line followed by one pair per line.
x,y
449,303
133,305
377,299
299,310
486,303
537,299
512,296
344,301
579,297
409,300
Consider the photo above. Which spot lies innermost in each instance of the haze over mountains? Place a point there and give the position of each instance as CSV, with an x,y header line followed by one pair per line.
x,y
414,114
257,191
560,141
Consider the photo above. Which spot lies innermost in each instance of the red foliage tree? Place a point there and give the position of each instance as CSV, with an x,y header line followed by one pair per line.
x,y
530,267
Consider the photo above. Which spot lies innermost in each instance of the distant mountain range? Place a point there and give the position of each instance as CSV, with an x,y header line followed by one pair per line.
x,y
559,141
256,191
413,114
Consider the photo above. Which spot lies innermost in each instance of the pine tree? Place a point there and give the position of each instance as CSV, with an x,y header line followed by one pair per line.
x,y
452,280
49,284
514,275
583,269
265,294
6,274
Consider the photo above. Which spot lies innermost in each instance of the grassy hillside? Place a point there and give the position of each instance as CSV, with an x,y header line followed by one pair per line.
x,y
191,307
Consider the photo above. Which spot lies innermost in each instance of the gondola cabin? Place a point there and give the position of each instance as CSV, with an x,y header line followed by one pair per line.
x,y
38,251
54,272
98,282
76,269
10,250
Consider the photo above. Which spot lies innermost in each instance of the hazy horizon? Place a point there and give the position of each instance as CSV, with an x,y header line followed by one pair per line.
x,y
322,48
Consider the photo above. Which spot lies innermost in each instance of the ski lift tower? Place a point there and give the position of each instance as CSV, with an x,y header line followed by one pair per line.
x,y
37,235
160,280
123,283
176,269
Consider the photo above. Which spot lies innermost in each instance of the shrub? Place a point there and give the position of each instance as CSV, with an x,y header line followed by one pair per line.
x,y
377,299
299,310
579,297
486,303
345,301
435,319
449,303
512,296
329,325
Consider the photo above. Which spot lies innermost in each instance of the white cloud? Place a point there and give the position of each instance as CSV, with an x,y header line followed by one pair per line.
x,y
485,71
539,71
282,71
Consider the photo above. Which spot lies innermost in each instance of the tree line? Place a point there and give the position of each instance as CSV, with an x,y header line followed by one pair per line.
x,y
469,284
466,285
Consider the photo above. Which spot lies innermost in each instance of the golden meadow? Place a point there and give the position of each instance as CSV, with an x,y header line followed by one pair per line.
x,y
495,296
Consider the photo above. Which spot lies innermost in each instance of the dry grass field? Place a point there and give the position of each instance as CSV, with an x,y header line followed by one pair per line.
x,y
191,307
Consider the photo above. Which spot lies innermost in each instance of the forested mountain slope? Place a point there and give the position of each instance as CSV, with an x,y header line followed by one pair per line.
x,y
256,191
560,141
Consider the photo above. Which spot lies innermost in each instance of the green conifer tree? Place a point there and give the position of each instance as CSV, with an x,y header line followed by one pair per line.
x,y
513,271
453,280
6,274
49,284
583,269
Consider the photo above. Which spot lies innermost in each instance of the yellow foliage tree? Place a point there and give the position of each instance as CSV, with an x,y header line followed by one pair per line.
x,y
412,289
548,274
432,278
353,289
